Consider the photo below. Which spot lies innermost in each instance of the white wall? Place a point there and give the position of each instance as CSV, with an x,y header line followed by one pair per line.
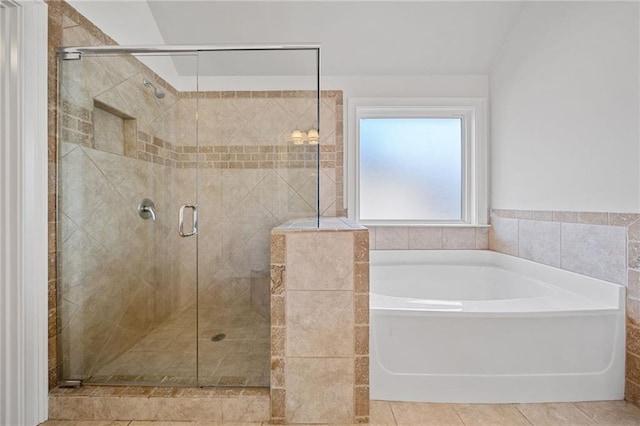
x,y
409,85
564,107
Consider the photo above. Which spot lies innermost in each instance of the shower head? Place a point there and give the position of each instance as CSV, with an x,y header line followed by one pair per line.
x,y
158,93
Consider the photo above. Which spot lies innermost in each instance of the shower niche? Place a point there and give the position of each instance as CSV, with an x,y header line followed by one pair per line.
x,y
113,130
138,301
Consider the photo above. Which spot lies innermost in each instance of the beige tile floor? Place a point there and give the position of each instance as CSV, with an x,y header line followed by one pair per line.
x,y
609,413
167,355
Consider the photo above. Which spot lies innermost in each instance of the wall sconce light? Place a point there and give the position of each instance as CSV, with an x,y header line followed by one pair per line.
x,y
299,137
313,136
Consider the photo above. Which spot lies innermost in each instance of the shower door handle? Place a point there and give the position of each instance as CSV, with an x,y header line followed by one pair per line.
x,y
194,215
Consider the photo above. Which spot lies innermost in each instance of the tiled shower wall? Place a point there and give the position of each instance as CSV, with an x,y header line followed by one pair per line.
x,y
600,245
251,179
121,276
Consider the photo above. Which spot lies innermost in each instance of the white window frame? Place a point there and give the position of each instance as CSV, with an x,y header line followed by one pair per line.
x,y
472,111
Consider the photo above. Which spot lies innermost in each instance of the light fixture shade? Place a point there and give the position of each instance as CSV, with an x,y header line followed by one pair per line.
x,y
297,137
313,136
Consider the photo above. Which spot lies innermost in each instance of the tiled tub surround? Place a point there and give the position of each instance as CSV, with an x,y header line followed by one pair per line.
x,y
601,245
320,322
429,237
251,179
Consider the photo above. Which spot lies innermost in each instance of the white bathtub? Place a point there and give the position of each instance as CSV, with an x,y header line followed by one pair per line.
x,y
480,326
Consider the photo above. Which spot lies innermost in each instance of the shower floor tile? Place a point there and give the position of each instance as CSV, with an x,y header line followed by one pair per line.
x,y
171,354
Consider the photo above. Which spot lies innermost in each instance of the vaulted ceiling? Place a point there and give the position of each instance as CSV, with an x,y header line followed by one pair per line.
x,y
357,37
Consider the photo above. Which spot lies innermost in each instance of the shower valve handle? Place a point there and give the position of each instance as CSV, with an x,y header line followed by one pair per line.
x,y
194,215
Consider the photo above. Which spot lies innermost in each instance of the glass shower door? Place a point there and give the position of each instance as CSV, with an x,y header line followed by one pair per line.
x,y
127,294
254,174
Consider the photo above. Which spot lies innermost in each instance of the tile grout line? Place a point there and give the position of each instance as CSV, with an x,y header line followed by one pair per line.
x,y
455,410
523,414
392,413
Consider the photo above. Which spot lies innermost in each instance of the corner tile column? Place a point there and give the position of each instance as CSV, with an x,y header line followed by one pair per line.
x,y
320,323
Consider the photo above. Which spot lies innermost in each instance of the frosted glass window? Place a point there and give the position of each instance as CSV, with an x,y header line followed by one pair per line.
x,y
411,169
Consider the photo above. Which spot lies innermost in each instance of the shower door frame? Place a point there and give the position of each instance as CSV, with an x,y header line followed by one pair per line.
x,y
76,52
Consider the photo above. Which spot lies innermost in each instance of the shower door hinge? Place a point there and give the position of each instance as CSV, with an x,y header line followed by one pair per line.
x,y
70,384
70,56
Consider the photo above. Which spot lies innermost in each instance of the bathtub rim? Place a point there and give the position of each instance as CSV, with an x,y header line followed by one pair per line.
x,y
593,289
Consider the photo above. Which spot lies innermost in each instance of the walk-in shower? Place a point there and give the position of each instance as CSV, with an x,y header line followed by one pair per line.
x,y
168,187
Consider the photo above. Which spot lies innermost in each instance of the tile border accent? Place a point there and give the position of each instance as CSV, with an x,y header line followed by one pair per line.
x,y
278,327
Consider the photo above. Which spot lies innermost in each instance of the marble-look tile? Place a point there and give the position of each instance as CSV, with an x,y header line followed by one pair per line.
x,y
71,408
539,241
319,390
593,218
427,238
458,238
278,339
543,215
277,310
361,246
108,131
632,392
633,284
362,340
362,401
93,423
634,231
392,238
319,261
278,401
380,413
372,237
632,367
490,414
205,423
619,413
277,372
524,214
633,339
412,413
361,311
245,409
129,408
622,219
634,255
278,248
633,312
482,238
506,213
555,414
362,370
361,277
320,323
595,250
566,217
503,235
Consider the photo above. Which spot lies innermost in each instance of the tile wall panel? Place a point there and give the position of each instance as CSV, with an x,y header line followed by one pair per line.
x,y
598,244
320,323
